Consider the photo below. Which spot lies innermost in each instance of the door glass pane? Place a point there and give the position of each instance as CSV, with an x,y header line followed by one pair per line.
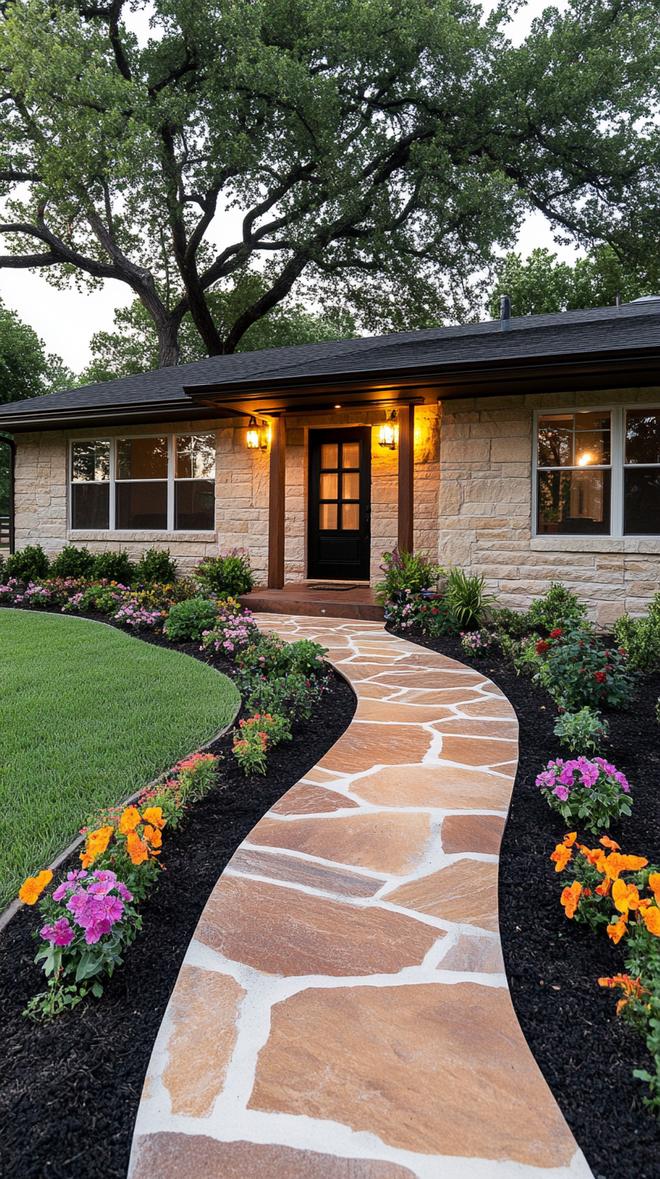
x,y
142,505
641,502
350,454
642,436
329,455
575,502
350,486
142,458
194,505
327,516
350,517
90,505
195,456
90,462
328,488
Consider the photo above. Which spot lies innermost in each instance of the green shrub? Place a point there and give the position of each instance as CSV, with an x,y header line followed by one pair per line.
x,y
514,623
2,567
578,672
28,564
73,562
466,599
641,639
188,620
255,737
270,656
581,732
559,607
114,567
227,575
411,572
156,565
291,694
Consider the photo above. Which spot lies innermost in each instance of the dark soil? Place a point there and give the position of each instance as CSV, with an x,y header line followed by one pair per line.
x,y
585,1053
70,1089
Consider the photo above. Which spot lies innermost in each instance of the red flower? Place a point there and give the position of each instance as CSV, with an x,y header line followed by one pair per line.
x,y
556,633
542,647
600,676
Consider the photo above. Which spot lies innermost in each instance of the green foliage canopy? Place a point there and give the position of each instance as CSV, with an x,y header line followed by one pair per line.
x,y
372,152
541,283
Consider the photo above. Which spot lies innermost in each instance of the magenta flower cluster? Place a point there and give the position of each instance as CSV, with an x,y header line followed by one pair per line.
x,y
138,617
33,594
95,906
231,633
560,777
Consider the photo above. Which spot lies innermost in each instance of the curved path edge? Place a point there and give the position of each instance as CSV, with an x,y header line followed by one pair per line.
x,y
342,1011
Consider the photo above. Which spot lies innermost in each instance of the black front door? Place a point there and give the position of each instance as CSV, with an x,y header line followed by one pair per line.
x,y
340,503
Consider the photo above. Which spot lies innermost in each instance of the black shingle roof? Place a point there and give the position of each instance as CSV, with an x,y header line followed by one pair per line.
x,y
634,327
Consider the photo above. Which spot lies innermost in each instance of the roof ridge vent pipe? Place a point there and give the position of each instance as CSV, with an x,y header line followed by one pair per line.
x,y
505,313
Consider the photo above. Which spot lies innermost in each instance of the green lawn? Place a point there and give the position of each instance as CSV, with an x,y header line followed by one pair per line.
x,y
88,714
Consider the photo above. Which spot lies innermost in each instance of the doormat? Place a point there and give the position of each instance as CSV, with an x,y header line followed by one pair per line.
x,y
333,587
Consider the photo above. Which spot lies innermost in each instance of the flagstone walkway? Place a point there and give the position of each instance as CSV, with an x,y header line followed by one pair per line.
x,y
342,1011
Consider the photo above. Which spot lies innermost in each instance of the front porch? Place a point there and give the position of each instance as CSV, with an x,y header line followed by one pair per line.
x,y
317,599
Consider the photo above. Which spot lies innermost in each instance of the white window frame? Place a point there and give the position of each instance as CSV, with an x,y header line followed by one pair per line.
x,y
617,465
113,481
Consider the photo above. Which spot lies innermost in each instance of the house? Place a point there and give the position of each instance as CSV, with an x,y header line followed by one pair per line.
x,y
527,449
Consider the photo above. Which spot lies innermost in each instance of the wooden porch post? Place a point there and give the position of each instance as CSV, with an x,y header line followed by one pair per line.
x,y
406,416
276,504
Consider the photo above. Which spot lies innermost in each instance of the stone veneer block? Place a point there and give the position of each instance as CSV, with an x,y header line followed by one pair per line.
x,y
437,1069
444,786
465,891
283,931
182,1156
380,841
472,833
204,1011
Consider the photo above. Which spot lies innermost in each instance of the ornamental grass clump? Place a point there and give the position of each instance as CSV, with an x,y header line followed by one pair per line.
x,y
621,893
92,915
591,793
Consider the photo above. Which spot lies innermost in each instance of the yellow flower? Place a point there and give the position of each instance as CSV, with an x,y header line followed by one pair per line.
x,y
129,820
32,888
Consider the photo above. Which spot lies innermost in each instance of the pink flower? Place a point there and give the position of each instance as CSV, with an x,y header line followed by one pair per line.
x,y
59,934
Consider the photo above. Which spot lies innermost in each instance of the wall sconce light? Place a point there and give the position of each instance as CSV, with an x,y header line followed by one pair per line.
x,y
257,435
389,432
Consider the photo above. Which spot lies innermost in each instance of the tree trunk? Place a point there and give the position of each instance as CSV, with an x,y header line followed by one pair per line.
x,y
168,342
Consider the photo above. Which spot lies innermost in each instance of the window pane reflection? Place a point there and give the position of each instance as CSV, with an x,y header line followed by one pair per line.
x,y
574,440
142,505
90,505
90,462
195,456
574,502
641,503
642,436
194,505
142,458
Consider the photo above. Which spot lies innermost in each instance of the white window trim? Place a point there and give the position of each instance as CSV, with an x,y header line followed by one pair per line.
x,y
616,466
113,481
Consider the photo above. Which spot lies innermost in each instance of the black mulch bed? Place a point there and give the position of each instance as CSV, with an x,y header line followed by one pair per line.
x,y
70,1089
585,1053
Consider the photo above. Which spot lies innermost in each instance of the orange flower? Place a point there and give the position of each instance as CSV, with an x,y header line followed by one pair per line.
x,y
616,863
651,919
631,987
603,889
152,836
569,839
136,848
612,844
95,844
154,815
654,885
625,896
561,855
129,820
617,930
32,888
570,898
594,856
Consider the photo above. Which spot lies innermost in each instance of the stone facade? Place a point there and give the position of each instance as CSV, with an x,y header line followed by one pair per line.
x,y
473,500
485,509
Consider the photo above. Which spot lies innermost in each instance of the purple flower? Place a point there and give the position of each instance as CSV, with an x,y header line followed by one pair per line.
x,y
561,793
59,934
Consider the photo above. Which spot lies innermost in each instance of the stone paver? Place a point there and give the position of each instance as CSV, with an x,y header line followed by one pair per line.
x,y
342,1010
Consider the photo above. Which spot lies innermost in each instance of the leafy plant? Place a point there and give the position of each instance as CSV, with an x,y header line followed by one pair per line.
x,y
291,694
115,566
227,575
270,656
156,565
73,562
640,637
581,732
188,620
477,642
586,793
466,598
255,737
578,671
406,573
558,607
513,623
28,564
234,629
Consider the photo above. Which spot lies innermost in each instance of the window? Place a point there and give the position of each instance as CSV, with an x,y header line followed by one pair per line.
x,y
90,485
149,484
574,473
598,472
641,476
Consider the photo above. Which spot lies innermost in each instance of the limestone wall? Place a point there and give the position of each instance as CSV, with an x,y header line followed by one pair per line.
x,y
485,509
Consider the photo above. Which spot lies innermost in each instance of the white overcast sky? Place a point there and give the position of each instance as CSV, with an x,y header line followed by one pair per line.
x,y
67,320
